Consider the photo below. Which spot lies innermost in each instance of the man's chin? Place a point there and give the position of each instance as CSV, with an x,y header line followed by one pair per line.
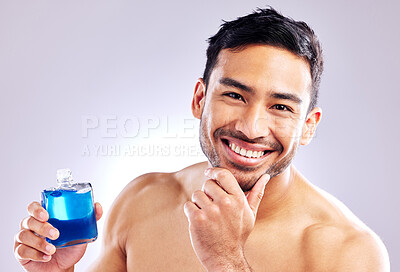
x,y
246,181
245,176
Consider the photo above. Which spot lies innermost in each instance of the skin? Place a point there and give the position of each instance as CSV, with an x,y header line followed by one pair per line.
x,y
229,214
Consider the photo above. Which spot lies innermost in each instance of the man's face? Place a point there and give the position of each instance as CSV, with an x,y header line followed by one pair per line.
x,y
255,110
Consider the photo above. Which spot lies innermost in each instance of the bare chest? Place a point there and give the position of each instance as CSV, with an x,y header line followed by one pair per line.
x,y
165,246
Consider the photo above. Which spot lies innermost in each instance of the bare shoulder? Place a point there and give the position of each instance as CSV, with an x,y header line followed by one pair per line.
x,y
149,196
146,195
344,248
139,203
340,241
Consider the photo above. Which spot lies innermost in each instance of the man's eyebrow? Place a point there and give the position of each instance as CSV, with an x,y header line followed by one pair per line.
x,y
236,84
287,96
227,81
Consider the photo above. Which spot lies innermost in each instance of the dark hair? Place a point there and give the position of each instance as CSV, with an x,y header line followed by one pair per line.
x,y
267,26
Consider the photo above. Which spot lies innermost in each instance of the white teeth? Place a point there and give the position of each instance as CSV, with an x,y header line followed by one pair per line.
x,y
237,150
244,152
249,153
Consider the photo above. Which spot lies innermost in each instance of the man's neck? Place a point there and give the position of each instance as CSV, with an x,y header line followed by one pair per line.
x,y
276,193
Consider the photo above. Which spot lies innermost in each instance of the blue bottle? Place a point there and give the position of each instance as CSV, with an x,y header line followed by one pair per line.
x,y
71,210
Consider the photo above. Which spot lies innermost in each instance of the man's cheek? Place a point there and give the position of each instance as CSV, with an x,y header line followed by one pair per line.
x,y
287,129
224,120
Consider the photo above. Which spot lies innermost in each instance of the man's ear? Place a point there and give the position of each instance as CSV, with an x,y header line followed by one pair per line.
x,y
199,97
310,125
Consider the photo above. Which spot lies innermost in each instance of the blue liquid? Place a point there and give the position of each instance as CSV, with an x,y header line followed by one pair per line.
x,y
72,213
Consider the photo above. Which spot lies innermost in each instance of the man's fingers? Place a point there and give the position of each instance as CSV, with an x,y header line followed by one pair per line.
x,y
42,229
37,211
190,209
257,192
225,179
213,190
31,240
24,253
201,199
98,211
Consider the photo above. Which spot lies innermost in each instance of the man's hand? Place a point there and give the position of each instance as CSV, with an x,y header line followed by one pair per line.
x,y
221,217
34,253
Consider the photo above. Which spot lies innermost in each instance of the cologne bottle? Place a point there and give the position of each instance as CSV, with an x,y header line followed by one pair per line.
x,y
71,210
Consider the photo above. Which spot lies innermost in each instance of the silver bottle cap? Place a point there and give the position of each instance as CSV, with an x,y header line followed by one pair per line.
x,y
64,176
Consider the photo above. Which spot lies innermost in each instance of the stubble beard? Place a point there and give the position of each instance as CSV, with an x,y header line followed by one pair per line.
x,y
243,174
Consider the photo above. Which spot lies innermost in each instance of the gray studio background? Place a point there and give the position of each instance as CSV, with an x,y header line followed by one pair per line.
x,y
80,80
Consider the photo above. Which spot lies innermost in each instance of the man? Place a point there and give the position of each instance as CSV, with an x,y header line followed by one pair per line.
x,y
248,208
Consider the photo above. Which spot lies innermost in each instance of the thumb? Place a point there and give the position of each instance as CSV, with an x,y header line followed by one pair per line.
x,y
98,211
257,192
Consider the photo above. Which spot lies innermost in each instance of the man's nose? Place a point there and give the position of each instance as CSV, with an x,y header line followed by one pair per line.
x,y
253,122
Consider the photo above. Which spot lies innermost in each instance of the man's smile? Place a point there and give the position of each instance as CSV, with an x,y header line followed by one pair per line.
x,y
244,153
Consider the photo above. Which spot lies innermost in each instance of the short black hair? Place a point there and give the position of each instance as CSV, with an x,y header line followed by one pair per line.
x,y
269,27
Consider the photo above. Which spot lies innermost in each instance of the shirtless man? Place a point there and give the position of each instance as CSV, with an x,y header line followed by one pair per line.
x,y
248,208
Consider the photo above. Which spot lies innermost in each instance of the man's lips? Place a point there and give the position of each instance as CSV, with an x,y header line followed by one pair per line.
x,y
245,153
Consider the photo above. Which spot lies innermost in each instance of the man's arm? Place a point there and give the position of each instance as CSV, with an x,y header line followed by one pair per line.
x,y
121,219
112,257
340,250
117,226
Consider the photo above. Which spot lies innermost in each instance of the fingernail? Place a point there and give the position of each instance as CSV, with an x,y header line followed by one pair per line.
x,y
49,248
267,177
53,233
46,257
42,215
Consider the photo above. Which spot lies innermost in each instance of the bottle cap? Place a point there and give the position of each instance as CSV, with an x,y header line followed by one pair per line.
x,y
64,176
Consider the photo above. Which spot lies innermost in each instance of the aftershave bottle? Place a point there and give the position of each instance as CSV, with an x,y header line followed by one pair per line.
x,y
71,210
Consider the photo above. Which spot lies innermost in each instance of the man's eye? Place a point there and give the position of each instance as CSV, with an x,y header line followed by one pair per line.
x,y
281,107
235,96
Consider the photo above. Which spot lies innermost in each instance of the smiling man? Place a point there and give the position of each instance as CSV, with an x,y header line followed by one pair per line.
x,y
247,208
